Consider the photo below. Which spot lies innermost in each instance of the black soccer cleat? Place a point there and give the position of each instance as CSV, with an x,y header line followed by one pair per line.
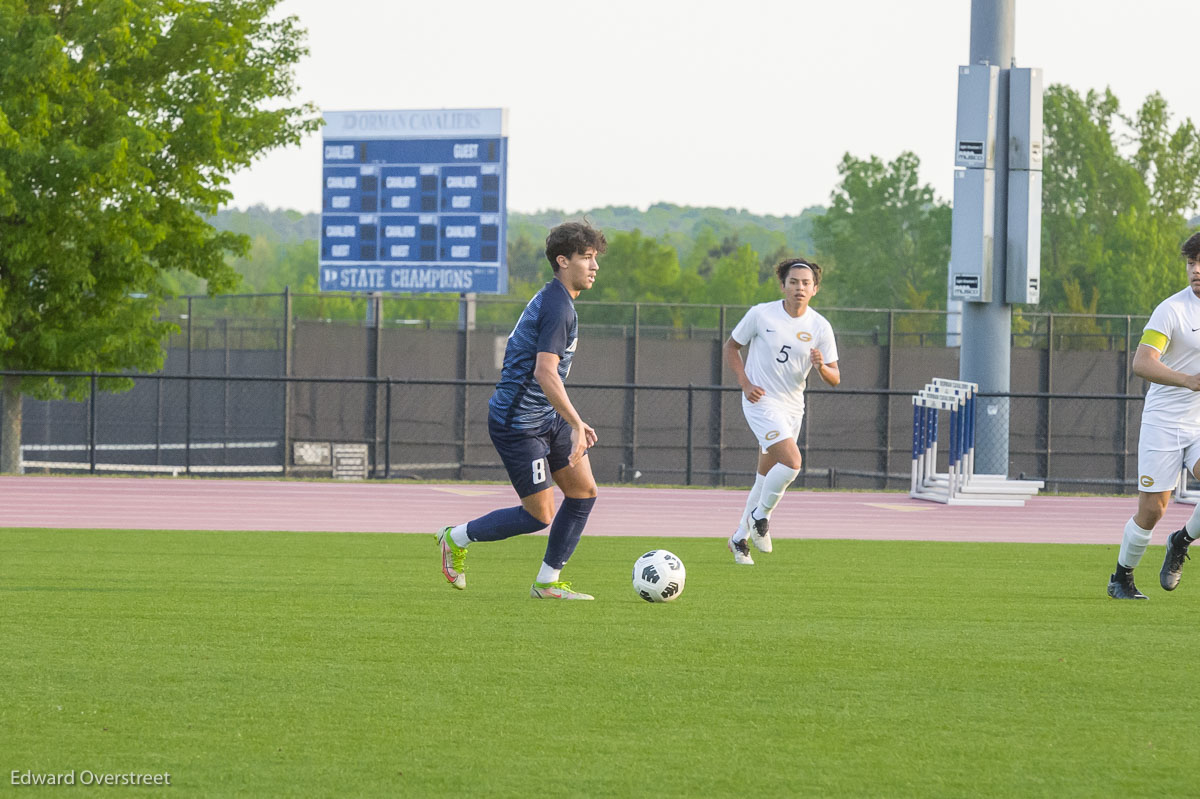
x,y
1122,587
1177,553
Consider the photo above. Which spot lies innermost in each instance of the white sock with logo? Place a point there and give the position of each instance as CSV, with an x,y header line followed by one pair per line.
x,y
752,503
1133,545
775,483
547,574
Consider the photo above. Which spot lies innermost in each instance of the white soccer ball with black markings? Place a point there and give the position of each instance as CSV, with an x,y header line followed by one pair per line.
x,y
659,576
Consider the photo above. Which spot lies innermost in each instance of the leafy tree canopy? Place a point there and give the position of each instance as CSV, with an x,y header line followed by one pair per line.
x,y
120,124
885,239
1115,202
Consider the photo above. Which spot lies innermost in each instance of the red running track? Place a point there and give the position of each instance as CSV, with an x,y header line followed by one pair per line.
x,y
214,504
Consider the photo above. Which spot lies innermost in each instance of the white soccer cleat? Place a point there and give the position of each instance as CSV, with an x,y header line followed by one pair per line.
x,y
760,532
741,551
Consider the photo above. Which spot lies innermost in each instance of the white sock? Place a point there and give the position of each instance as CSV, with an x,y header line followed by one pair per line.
x,y
1133,545
1192,525
774,484
459,535
752,501
547,575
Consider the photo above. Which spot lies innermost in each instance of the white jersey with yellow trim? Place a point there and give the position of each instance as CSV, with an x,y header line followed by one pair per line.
x,y
1177,321
778,359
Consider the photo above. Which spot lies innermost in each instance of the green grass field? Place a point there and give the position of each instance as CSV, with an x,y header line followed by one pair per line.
x,y
305,664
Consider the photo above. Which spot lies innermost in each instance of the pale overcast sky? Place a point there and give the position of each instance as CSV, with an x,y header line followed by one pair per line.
x,y
748,104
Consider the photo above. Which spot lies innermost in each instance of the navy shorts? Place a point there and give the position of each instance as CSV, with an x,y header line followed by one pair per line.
x,y
531,456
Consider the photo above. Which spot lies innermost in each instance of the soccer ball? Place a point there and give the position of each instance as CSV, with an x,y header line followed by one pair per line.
x,y
658,576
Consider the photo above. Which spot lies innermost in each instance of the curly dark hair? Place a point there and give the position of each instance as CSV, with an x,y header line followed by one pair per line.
x,y
1191,248
788,264
572,238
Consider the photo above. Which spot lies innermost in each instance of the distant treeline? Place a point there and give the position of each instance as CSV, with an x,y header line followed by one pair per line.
x,y
666,253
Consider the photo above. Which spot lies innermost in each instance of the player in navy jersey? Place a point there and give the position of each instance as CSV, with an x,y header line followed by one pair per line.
x,y
540,436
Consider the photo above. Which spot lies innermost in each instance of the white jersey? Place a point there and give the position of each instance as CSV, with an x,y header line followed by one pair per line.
x,y
1177,321
779,345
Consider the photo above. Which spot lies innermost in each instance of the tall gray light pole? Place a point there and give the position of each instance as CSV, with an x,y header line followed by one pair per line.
x,y
986,352
983,271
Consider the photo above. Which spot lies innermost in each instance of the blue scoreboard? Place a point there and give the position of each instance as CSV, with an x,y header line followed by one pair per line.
x,y
414,201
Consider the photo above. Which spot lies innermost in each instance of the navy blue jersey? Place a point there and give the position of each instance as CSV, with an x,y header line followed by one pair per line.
x,y
548,324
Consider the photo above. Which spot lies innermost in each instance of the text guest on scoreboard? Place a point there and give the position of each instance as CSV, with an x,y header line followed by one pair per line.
x,y
414,201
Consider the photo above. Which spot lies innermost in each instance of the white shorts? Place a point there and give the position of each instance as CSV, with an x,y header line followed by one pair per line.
x,y
770,421
1162,453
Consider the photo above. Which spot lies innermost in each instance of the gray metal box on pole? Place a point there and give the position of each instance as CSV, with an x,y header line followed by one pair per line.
x,y
1023,269
1024,118
972,239
1023,254
975,142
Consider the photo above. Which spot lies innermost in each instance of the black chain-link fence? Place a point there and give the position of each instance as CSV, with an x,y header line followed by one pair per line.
x,y
248,379
437,429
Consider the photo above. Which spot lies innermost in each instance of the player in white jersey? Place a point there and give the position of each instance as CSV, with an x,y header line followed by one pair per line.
x,y
1169,357
787,339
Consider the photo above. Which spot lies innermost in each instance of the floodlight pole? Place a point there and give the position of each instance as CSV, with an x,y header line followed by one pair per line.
x,y
986,352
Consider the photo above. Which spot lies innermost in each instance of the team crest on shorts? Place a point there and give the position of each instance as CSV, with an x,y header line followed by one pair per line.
x,y
771,436
1146,481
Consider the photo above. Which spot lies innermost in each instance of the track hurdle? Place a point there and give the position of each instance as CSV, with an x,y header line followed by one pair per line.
x,y
959,485
926,482
980,483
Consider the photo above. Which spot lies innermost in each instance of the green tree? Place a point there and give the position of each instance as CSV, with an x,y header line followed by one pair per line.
x,y
120,124
735,279
527,259
289,227
885,238
1114,203
269,267
704,247
636,268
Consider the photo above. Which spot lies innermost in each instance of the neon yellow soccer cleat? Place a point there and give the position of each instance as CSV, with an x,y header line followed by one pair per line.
x,y
453,557
559,590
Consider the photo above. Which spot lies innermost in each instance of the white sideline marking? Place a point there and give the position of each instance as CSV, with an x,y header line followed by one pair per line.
x,y
902,508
